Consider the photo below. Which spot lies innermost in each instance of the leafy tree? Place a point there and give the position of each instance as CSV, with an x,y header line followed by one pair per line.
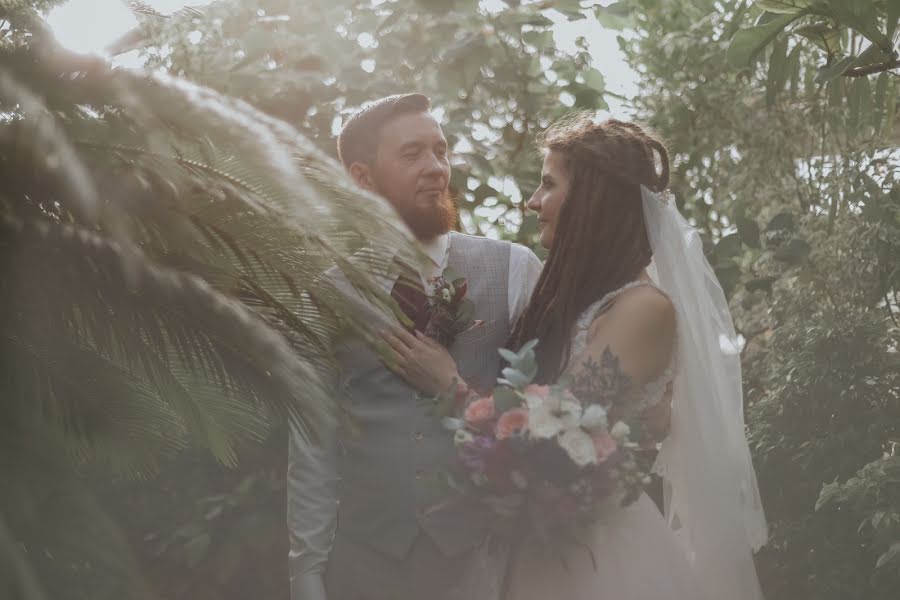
x,y
854,37
794,180
497,76
162,248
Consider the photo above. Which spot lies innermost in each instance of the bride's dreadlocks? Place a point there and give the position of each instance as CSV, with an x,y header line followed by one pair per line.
x,y
600,243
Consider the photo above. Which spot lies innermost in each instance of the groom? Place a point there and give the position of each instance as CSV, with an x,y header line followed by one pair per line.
x,y
367,515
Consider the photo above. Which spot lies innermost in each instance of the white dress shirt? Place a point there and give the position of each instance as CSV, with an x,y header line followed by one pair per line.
x,y
312,499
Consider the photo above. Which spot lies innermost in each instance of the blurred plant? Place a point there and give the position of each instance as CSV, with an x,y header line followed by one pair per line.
x,y
162,248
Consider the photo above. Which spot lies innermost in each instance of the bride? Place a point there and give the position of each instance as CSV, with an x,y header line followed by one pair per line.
x,y
626,275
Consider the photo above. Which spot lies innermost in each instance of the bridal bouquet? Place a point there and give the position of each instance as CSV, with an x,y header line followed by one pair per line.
x,y
538,454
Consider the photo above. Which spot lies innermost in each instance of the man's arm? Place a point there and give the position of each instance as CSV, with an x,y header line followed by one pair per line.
x,y
312,508
524,270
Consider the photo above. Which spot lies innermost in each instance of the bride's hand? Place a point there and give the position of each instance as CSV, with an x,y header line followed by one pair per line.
x,y
422,362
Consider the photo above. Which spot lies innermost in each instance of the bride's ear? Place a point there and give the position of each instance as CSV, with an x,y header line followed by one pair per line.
x,y
362,175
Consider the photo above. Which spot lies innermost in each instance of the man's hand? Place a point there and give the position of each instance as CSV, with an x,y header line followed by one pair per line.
x,y
422,362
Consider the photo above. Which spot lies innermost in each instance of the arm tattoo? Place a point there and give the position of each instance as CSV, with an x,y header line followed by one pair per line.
x,y
604,383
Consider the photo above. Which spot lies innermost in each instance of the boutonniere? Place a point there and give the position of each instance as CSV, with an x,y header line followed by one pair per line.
x,y
451,312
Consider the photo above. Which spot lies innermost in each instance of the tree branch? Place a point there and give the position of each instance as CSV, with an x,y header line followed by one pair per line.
x,y
869,70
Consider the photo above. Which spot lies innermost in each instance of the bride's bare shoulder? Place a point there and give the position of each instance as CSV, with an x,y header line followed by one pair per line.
x,y
640,328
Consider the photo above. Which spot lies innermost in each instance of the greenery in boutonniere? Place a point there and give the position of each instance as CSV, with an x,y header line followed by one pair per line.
x,y
451,312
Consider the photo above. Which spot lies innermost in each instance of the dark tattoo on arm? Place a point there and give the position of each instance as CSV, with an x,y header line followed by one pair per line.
x,y
601,383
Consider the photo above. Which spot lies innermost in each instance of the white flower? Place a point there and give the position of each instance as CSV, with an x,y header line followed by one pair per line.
x,y
579,446
451,289
542,423
462,437
551,414
570,412
594,419
548,417
446,295
620,431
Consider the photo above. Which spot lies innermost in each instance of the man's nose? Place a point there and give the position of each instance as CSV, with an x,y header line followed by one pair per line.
x,y
436,167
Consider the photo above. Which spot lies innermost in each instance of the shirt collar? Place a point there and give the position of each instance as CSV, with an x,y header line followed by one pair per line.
x,y
437,249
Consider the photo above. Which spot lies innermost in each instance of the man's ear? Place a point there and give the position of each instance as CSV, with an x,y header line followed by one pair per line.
x,y
362,175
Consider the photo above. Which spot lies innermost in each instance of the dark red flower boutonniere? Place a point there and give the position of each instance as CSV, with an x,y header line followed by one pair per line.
x,y
451,312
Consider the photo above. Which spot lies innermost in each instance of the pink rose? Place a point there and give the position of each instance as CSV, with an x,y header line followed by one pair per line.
x,y
480,412
511,423
604,446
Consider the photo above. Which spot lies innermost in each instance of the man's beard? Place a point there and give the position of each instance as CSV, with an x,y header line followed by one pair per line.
x,y
428,223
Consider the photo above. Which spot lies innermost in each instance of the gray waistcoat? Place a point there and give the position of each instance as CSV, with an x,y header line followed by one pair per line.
x,y
390,466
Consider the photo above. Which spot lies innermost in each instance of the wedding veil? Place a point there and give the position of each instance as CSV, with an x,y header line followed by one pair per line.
x,y
711,496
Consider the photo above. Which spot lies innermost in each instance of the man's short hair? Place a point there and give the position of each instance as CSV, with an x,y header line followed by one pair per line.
x,y
358,140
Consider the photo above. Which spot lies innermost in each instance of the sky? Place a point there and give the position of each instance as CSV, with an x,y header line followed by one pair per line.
x,y
78,28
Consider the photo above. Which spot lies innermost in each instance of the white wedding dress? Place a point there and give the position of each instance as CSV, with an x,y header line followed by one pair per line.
x,y
631,554
702,549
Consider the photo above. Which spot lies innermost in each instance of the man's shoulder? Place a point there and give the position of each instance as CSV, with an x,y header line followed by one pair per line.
x,y
518,254
478,240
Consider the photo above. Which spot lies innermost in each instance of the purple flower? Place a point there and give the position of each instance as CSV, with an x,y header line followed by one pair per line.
x,y
473,454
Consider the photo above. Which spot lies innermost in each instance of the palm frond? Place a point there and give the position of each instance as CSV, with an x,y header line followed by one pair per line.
x,y
73,284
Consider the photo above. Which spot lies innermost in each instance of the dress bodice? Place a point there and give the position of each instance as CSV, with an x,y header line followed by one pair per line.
x,y
654,390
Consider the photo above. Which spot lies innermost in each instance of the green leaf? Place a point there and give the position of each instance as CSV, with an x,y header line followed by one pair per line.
x,y
789,7
505,399
892,554
777,71
860,101
515,378
781,222
595,80
881,86
728,247
747,43
861,16
893,17
793,70
528,347
794,251
542,40
827,494
836,69
823,35
508,355
748,231
617,15
836,91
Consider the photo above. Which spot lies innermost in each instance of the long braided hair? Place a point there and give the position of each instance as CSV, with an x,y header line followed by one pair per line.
x,y
600,243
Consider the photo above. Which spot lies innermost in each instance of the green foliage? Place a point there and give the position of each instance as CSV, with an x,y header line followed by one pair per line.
x,y
163,249
856,37
142,208
796,184
497,77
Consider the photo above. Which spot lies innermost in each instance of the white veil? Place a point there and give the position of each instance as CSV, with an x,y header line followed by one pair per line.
x,y
711,496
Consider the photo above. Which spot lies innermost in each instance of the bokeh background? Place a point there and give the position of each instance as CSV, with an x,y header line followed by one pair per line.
x,y
781,119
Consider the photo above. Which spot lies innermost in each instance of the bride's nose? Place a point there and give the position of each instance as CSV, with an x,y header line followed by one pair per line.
x,y
534,204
